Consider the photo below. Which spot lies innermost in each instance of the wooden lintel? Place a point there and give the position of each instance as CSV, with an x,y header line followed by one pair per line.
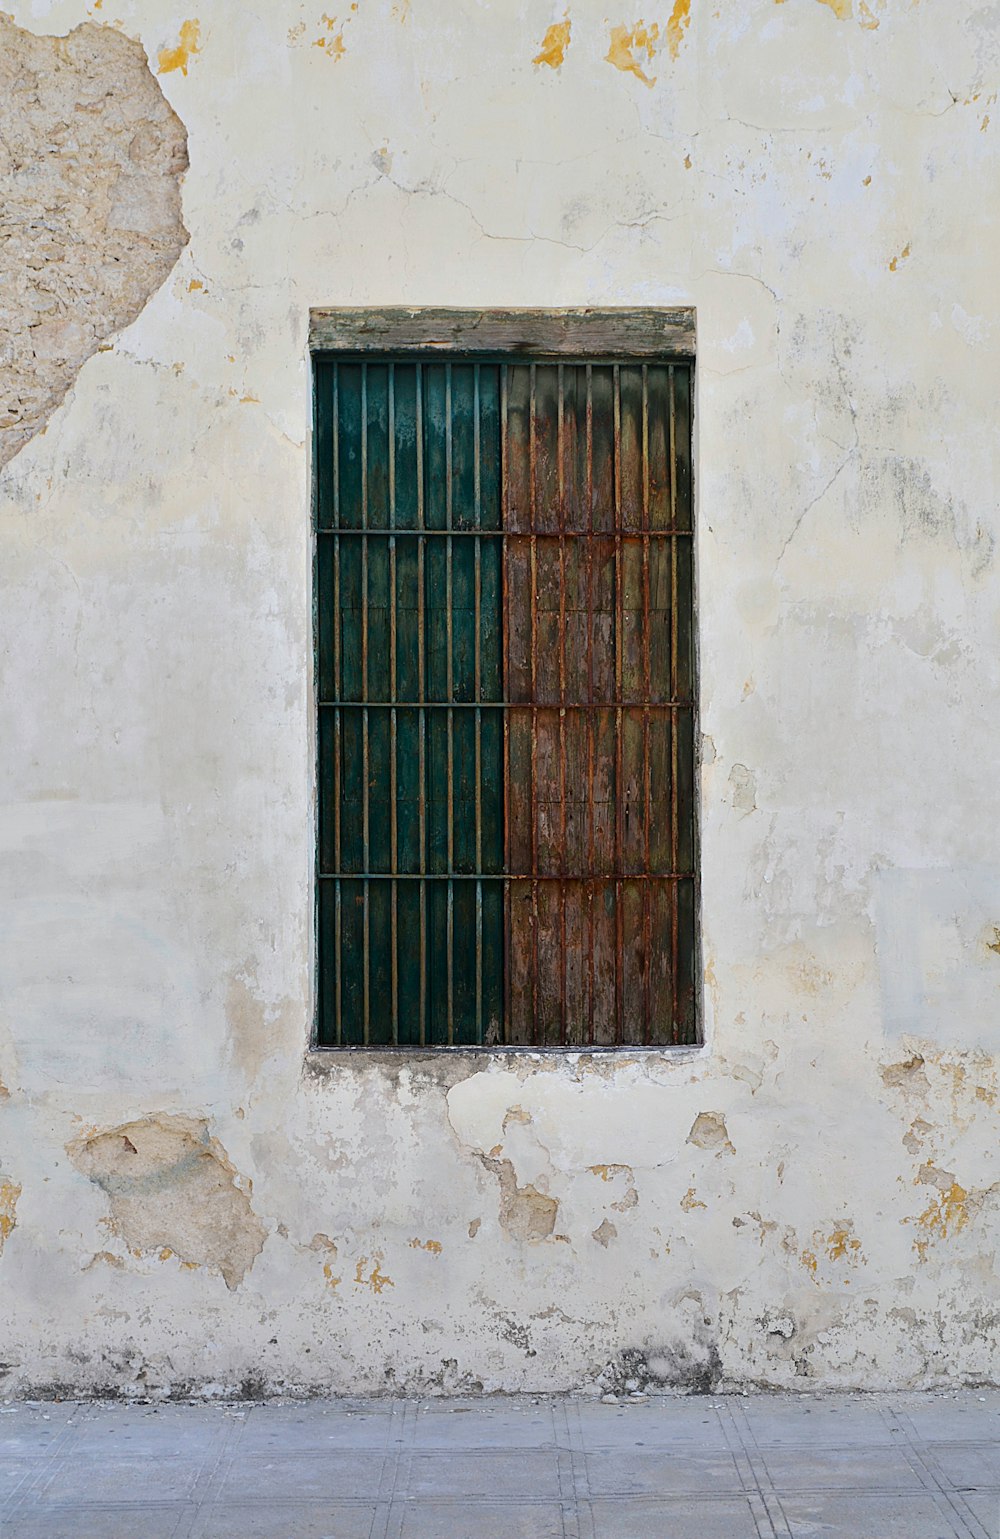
x,y
580,333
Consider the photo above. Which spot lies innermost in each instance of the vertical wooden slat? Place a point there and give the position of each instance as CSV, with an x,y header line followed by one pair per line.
x,y
591,938
533,796
674,807
619,690
646,625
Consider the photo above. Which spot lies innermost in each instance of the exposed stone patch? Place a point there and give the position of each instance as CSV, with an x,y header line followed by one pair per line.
x,y
525,1214
91,160
908,1075
709,1131
605,1233
171,1185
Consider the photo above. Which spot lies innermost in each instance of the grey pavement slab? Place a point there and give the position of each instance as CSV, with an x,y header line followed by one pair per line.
x,y
661,1467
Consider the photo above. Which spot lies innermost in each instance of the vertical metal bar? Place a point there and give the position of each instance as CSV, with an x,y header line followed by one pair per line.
x,y
591,621
422,714
505,695
477,690
451,695
647,621
364,695
533,517
393,766
337,859
563,861
337,695
674,799
619,675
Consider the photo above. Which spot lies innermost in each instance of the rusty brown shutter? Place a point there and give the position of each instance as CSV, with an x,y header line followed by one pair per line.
x,y
504,593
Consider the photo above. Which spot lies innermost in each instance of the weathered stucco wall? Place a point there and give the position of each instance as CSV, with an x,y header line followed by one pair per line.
x,y
813,1197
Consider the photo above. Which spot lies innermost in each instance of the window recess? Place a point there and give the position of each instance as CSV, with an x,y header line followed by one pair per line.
x,y
506,696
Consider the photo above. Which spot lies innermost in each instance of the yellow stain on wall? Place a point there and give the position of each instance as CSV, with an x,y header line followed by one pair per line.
x,y
332,42
842,1245
689,1201
9,1193
555,43
680,20
328,1274
626,42
840,8
376,1279
894,264
867,17
608,1172
180,57
434,1246
947,1215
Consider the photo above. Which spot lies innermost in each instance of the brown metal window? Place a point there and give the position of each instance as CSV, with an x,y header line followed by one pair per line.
x,y
504,596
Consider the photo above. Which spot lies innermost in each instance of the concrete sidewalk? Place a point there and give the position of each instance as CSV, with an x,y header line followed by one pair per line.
x,y
858,1467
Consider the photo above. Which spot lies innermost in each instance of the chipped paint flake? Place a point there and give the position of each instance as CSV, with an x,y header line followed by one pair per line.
x,y
180,56
554,44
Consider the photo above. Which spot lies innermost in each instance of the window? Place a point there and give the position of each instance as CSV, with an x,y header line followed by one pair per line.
x,y
505,672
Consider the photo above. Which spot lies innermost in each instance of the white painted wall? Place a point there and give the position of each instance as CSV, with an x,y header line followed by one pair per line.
x,y
817,177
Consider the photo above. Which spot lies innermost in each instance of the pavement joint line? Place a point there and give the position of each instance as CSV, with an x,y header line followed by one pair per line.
x,y
580,1524
26,1487
213,1481
970,1527
387,1522
737,1433
574,1502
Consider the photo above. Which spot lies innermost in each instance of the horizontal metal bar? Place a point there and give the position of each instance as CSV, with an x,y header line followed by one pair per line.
x,y
539,707
420,531
584,333
580,879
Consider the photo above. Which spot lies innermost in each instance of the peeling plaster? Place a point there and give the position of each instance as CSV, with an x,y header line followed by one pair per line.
x,y
91,160
170,1186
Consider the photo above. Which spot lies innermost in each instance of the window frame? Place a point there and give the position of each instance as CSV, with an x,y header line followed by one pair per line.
x,y
664,335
